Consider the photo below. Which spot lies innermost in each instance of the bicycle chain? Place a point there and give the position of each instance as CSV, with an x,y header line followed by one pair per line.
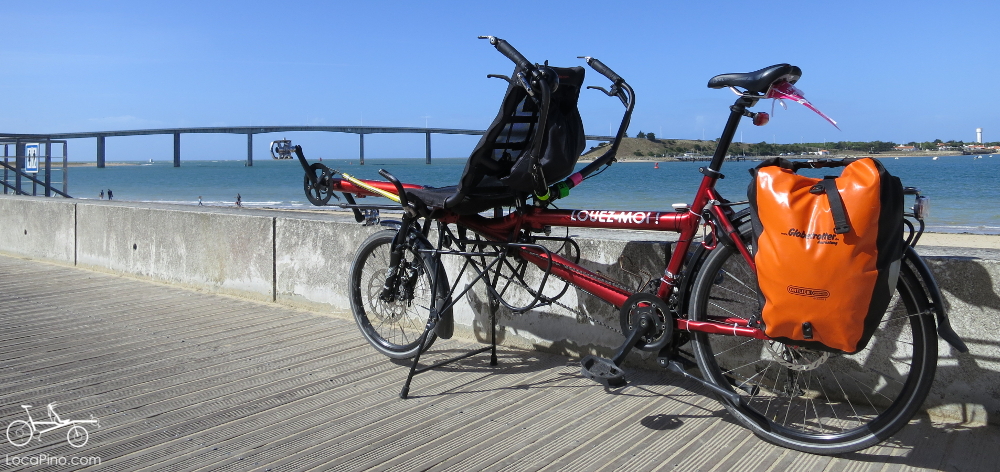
x,y
591,318
578,312
581,313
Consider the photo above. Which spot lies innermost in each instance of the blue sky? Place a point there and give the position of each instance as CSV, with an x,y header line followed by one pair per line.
x,y
892,71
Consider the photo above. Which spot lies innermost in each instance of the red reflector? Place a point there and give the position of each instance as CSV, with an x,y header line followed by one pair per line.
x,y
761,119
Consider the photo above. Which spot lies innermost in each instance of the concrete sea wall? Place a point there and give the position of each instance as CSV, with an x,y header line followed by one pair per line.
x,y
303,258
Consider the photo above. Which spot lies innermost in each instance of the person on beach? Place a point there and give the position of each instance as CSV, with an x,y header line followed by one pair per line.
x,y
110,195
199,201
102,194
239,200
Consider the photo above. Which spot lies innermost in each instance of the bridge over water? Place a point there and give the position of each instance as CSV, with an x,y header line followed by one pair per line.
x,y
361,131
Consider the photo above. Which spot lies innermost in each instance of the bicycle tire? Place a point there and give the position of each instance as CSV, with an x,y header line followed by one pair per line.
x,y
77,436
19,433
885,390
394,328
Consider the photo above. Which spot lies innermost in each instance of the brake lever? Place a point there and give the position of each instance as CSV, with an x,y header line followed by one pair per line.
x,y
498,76
606,92
614,92
523,80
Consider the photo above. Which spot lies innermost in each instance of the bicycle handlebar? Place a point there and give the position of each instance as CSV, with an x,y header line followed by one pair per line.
x,y
507,50
602,69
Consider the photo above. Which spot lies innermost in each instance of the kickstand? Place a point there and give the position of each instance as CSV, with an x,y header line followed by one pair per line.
x,y
431,323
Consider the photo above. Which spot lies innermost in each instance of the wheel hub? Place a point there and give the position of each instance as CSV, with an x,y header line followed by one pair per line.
x,y
796,358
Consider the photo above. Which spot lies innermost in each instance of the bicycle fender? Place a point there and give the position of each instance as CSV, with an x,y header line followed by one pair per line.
x,y
693,265
944,329
394,224
691,269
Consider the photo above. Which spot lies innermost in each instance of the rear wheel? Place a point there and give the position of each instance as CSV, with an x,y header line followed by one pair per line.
x,y
393,320
810,400
19,432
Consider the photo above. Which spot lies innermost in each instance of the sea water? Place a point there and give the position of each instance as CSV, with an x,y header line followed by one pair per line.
x,y
964,190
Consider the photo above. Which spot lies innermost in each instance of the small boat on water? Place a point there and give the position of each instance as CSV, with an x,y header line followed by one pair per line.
x,y
935,158
656,166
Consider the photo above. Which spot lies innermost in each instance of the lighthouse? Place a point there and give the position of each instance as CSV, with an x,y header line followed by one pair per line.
x,y
979,135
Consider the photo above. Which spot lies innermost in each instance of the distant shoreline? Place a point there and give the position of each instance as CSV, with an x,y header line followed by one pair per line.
x,y
621,158
883,155
94,164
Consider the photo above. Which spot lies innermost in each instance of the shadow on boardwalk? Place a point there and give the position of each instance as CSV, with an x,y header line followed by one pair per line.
x,y
184,380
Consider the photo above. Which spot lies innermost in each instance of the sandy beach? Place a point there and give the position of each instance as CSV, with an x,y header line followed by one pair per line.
x,y
979,241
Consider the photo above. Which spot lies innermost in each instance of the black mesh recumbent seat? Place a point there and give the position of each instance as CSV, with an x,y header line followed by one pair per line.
x,y
488,181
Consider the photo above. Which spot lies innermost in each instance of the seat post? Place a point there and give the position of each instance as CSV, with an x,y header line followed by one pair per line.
x,y
735,114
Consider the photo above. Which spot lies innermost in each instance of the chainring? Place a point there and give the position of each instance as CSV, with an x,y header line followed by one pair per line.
x,y
320,193
663,323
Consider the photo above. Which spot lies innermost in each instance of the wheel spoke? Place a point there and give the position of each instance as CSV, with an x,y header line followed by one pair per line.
x,y
393,327
813,401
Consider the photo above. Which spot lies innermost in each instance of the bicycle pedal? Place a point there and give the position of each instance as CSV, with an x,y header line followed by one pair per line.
x,y
603,371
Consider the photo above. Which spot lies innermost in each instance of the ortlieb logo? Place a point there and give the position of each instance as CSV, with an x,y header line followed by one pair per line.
x,y
821,238
816,293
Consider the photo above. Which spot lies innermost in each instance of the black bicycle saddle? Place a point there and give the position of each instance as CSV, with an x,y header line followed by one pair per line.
x,y
758,81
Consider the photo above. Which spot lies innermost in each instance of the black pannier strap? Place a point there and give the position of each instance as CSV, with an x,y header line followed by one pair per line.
x,y
829,186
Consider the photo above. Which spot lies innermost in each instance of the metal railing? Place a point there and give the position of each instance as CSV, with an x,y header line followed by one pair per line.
x,y
29,159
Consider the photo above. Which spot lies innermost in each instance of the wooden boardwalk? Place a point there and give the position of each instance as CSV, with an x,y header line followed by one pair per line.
x,y
184,380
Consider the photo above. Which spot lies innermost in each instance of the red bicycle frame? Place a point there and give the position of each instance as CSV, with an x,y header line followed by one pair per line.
x,y
705,209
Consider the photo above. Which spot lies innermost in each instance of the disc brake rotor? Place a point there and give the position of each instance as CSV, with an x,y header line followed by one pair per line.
x,y
796,358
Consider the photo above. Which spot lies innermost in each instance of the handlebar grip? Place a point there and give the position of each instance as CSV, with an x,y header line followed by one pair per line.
x,y
507,50
603,69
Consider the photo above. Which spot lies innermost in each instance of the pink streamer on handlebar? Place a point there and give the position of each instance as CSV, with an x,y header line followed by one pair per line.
x,y
785,90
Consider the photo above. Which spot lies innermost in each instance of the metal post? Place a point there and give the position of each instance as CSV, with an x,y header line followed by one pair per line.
x,y
100,152
362,148
65,174
18,166
177,149
249,149
5,168
48,168
428,147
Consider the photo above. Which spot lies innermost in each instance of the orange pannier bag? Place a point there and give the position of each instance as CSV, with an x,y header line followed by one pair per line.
x,y
827,250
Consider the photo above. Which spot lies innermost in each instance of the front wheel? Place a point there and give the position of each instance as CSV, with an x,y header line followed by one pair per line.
x,y
809,400
19,432
393,319
77,436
